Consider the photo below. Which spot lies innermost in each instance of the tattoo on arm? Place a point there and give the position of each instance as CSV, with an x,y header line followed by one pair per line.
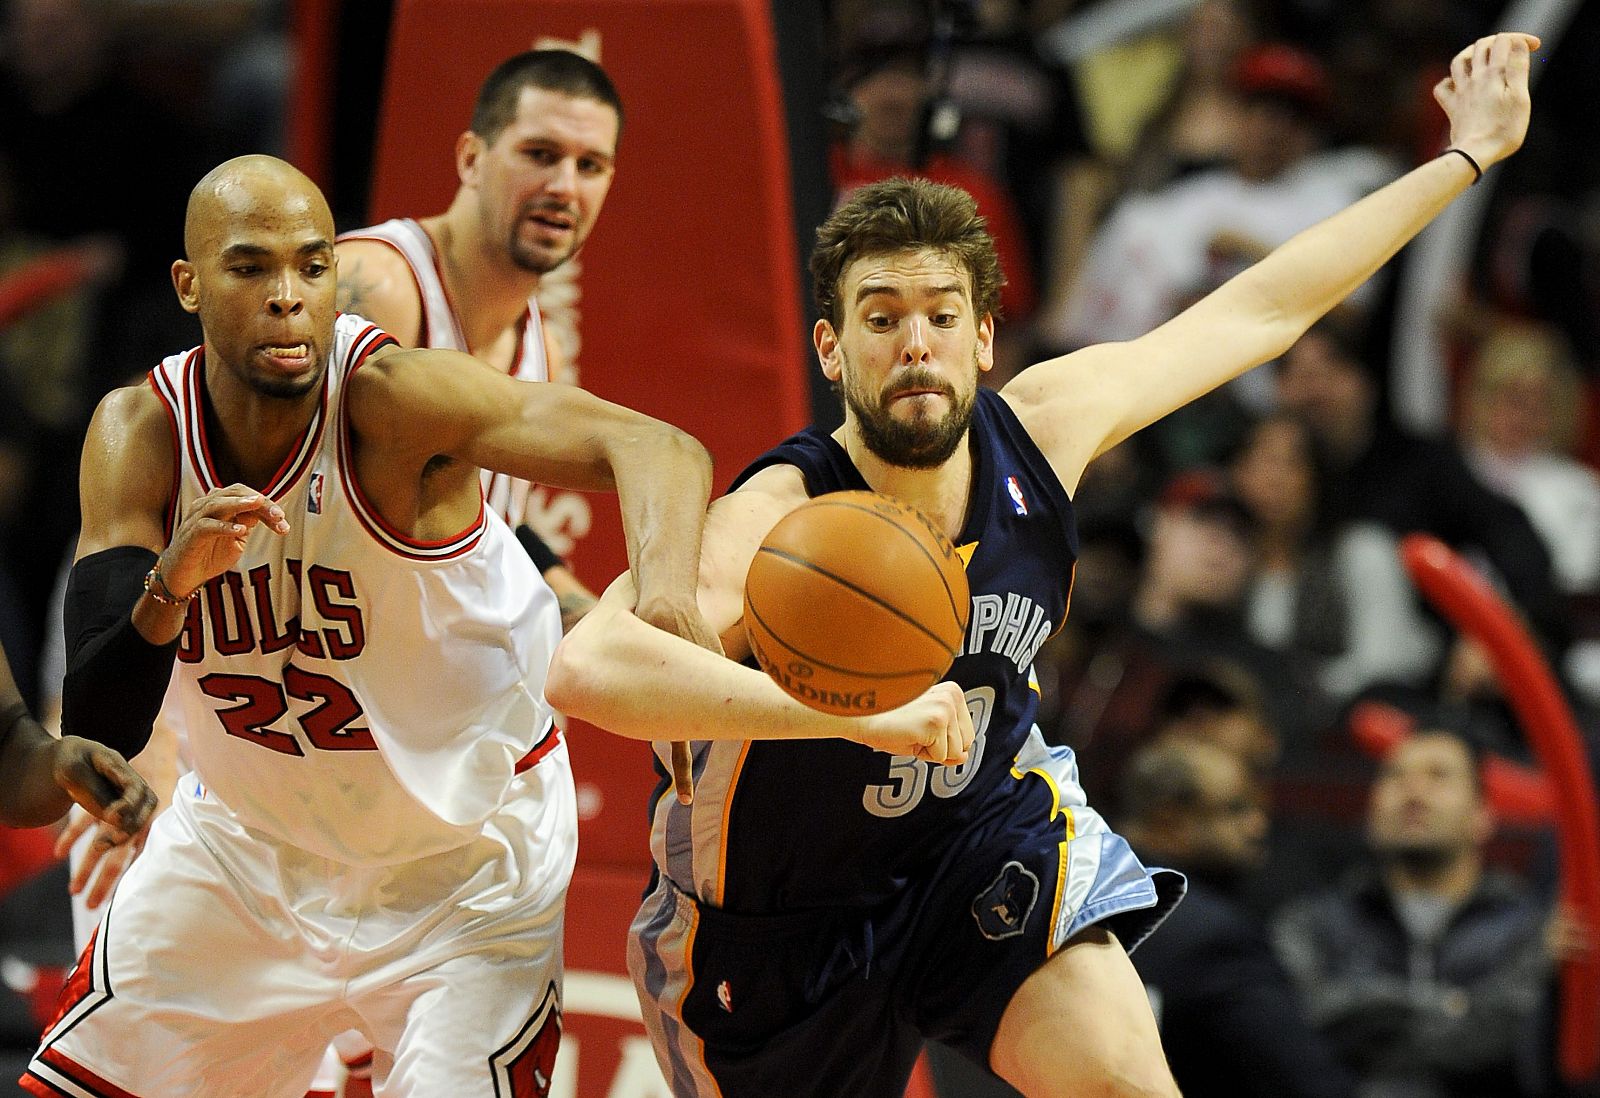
x,y
355,289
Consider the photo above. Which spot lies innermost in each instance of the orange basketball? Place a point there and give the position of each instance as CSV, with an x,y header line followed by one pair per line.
x,y
856,603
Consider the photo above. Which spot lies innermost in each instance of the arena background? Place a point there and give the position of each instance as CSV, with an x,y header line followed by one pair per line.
x,y
690,302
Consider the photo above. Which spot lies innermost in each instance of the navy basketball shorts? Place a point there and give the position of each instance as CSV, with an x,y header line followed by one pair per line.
x,y
839,1000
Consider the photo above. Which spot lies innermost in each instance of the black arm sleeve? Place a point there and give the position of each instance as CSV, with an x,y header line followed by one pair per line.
x,y
115,678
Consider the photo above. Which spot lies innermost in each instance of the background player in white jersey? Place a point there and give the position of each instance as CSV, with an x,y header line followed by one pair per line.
x,y
534,165
381,822
987,915
41,776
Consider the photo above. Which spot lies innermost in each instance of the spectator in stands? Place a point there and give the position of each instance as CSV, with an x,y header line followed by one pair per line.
x,y
1230,1021
1384,474
1332,596
1523,403
1157,252
1184,618
1200,121
1219,706
1427,971
890,95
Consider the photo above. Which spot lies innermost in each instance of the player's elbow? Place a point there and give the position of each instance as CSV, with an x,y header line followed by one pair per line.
x,y
569,685
579,683
663,446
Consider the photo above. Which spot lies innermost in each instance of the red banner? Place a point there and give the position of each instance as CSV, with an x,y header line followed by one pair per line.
x,y
684,304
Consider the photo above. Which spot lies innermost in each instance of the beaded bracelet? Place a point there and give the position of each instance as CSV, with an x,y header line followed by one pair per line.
x,y
155,585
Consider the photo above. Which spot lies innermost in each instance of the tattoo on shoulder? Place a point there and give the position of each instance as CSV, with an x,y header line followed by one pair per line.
x,y
355,288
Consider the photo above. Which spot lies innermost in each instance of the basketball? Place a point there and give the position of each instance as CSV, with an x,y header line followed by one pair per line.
x,y
855,603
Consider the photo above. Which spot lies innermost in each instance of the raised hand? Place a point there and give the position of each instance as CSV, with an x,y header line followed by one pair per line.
x,y
937,726
211,538
1486,96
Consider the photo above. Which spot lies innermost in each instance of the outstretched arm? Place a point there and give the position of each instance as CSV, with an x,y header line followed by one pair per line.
x,y
455,405
619,673
1081,405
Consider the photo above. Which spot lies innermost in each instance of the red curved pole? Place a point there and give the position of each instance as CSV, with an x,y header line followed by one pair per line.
x,y
1462,596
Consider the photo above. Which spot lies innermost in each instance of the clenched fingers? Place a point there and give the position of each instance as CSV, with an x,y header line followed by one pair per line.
x,y
950,739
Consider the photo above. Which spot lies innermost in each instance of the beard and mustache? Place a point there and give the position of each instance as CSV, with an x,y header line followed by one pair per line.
x,y
536,260
921,442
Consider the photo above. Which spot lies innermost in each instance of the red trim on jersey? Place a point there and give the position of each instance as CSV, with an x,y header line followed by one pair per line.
x,y
449,302
371,519
295,462
530,322
76,1072
169,520
189,393
551,740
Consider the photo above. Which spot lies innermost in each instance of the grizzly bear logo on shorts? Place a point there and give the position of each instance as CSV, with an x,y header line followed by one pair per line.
x,y
1003,908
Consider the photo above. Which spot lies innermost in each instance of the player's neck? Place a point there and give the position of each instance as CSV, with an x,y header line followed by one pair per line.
x,y
248,435
488,292
941,493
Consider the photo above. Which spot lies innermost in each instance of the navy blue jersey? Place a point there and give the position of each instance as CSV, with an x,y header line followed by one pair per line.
x,y
787,825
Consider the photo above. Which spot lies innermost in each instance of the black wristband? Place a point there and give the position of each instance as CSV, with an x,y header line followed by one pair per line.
x,y
1465,155
115,679
544,558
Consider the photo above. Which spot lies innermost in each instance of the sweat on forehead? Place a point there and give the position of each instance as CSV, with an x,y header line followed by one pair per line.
x,y
259,190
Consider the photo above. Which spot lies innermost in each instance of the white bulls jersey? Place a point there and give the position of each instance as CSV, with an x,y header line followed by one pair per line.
x,y
348,690
441,327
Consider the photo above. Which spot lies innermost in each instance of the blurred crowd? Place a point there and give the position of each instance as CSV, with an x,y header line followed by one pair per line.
x,y
1255,688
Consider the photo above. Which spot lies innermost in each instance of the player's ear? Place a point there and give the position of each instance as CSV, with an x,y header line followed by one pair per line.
x,y
469,147
183,280
826,341
986,342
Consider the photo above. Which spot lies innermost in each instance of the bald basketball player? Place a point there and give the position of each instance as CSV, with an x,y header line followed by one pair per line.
x,y
380,824
820,911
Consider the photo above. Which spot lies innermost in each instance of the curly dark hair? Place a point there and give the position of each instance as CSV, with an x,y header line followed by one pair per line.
x,y
898,215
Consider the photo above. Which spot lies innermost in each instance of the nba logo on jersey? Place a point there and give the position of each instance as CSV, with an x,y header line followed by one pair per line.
x,y
314,494
725,996
1020,504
